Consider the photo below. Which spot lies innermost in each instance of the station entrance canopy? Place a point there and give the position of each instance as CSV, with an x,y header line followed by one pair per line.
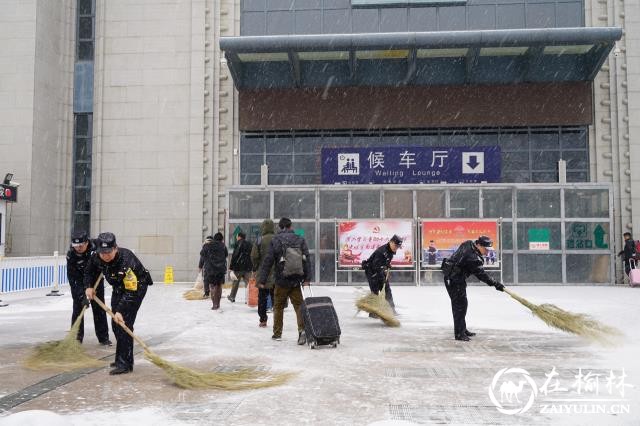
x,y
419,58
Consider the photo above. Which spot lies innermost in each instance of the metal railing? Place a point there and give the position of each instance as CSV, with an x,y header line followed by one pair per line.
x,y
28,273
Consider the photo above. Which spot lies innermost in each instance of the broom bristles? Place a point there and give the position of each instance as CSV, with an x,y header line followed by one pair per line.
x,y
62,355
378,305
580,324
241,379
193,294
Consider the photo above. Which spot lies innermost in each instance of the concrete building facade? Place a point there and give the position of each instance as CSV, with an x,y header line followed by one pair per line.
x,y
166,131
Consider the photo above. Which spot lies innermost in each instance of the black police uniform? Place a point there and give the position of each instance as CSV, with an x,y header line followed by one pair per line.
x,y
467,260
129,280
76,264
376,268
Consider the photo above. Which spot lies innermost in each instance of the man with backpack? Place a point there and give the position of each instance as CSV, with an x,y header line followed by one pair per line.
x,y
629,252
289,253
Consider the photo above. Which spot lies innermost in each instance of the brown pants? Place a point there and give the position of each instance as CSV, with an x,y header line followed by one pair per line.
x,y
281,294
216,293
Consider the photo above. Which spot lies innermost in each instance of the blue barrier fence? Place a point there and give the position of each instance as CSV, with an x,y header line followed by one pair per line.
x,y
20,274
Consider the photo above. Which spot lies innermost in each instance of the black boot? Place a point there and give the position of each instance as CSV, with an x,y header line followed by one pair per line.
x,y
463,338
469,333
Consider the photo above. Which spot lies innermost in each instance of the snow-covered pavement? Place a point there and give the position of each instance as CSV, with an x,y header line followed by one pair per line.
x,y
378,375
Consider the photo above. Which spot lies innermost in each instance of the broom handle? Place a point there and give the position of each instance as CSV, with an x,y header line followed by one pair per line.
x,y
124,326
95,285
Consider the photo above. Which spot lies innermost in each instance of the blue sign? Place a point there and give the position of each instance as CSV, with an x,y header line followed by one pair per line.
x,y
385,165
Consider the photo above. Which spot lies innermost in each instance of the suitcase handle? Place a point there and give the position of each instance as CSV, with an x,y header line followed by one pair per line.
x,y
310,291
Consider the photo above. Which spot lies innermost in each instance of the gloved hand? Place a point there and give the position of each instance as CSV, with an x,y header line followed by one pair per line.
x,y
86,301
499,286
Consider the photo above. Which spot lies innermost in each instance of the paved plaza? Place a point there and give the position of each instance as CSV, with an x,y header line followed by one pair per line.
x,y
415,374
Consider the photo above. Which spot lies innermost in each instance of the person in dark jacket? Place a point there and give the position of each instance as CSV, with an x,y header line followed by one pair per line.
x,y
207,293
287,287
467,260
77,259
129,280
628,252
213,265
240,264
377,267
258,254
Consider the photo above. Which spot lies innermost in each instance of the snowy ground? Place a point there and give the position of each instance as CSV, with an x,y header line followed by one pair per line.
x,y
416,374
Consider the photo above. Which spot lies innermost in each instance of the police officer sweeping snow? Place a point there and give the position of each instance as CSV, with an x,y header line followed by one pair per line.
x,y
377,266
77,259
467,260
129,279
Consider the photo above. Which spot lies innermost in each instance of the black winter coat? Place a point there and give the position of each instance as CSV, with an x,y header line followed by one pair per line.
x,y
629,250
468,260
377,265
277,248
241,257
213,260
125,273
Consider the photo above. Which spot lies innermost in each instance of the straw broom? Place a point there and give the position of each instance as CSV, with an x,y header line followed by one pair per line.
x,y
63,355
196,293
186,378
579,324
378,305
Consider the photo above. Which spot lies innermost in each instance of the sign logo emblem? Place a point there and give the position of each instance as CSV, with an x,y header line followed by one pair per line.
x,y
349,163
511,392
473,162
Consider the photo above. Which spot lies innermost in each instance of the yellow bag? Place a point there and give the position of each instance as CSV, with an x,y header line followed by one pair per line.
x,y
130,281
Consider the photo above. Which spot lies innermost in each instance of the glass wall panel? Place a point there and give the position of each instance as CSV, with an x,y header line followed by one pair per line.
x,y
249,205
507,235
294,204
507,268
539,268
327,269
327,236
588,268
538,202
431,204
252,145
252,230
526,228
398,204
279,145
586,203
464,203
587,235
497,203
251,163
514,141
365,204
334,204
308,230
281,179
545,160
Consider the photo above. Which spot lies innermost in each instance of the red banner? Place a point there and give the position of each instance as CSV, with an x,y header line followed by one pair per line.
x,y
357,240
440,239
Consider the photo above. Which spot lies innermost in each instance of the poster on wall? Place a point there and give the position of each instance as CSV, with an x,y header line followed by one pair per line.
x,y
358,239
441,238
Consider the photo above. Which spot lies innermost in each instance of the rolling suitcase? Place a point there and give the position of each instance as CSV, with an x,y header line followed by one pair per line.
x,y
320,321
634,274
